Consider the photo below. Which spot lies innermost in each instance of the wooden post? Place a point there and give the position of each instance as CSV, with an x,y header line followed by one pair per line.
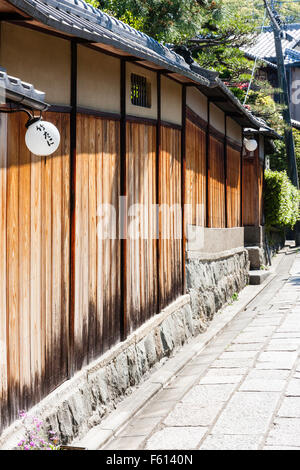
x,y
123,206
183,176
158,195
73,136
241,185
225,171
207,167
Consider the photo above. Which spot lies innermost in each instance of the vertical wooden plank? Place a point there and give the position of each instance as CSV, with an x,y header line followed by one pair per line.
x,y
85,214
47,269
24,268
56,258
3,278
100,265
13,265
36,274
78,279
92,248
65,245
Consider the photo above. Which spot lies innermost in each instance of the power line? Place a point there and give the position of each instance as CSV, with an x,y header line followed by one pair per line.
x,y
255,62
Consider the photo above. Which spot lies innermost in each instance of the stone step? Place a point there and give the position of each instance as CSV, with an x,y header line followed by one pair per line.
x,y
257,277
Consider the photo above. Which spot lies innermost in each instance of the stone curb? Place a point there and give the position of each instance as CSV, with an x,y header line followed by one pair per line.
x,y
98,436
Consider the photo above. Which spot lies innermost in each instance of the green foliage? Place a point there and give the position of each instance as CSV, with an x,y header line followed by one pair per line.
x,y
164,20
281,200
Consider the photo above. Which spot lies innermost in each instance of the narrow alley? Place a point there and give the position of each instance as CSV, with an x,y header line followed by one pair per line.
x,y
242,391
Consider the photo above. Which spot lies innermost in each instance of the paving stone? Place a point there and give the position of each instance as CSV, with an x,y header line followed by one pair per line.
x,y
183,382
140,427
286,335
190,415
276,360
232,363
226,371
268,374
179,438
231,442
194,370
293,388
262,331
270,321
290,407
126,443
283,345
280,448
245,347
249,338
204,359
171,394
284,432
263,385
247,413
156,409
208,395
221,379
238,355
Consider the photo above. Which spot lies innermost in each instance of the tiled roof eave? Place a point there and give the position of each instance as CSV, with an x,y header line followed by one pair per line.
x,y
98,34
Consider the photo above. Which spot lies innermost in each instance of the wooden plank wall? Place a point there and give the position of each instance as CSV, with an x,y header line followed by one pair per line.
x,y
252,189
170,221
97,258
3,261
35,240
216,183
195,196
233,186
141,244
34,266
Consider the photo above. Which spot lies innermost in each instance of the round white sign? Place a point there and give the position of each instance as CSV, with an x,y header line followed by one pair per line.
x,y
42,138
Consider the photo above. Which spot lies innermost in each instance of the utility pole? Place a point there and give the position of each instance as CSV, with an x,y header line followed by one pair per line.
x,y
284,94
284,100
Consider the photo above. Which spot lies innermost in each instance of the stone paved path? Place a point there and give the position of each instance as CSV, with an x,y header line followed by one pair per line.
x,y
242,391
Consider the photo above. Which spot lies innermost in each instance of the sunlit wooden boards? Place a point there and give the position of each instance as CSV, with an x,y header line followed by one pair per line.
x,y
252,189
34,208
195,197
170,220
141,244
97,248
233,187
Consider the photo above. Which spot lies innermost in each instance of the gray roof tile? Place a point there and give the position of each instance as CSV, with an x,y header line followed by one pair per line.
x,y
21,92
264,47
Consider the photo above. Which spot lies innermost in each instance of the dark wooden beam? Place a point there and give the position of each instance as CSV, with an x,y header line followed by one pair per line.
x,y
123,206
183,180
73,137
13,17
241,185
208,166
225,170
158,193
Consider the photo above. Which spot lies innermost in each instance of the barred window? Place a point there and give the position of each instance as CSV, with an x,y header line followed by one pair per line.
x,y
140,91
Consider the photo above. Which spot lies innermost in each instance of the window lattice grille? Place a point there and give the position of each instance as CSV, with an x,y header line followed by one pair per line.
x,y
140,91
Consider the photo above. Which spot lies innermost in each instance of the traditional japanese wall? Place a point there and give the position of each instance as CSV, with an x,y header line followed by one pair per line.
x,y
196,101
234,131
22,49
98,81
171,101
217,118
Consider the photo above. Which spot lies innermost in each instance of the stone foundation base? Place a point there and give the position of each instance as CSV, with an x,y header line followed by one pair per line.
x,y
82,402
212,281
